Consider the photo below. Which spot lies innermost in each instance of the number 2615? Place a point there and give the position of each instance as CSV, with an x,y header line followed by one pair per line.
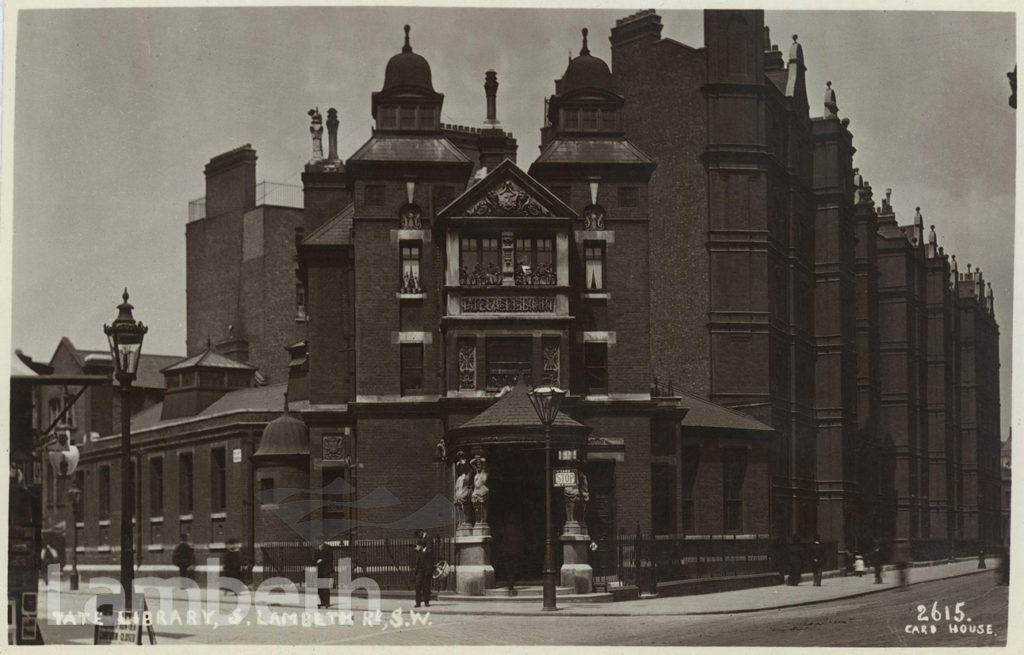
x,y
937,614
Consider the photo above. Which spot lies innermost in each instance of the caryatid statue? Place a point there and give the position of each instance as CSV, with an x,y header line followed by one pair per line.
x,y
316,130
480,490
463,486
576,498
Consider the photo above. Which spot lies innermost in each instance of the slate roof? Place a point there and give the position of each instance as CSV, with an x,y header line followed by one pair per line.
x,y
515,410
706,414
269,398
150,366
336,231
592,151
410,148
209,359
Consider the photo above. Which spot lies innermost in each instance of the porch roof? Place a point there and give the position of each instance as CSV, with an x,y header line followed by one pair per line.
x,y
514,410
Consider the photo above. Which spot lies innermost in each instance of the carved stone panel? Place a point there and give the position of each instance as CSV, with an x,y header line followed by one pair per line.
x,y
551,363
467,364
507,304
507,199
335,448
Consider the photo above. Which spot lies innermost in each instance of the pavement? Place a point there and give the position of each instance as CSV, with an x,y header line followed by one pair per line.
x,y
834,587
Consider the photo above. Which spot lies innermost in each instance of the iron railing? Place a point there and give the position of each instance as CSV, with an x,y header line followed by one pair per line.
x,y
625,558
388,562
267,193
284,195
659,389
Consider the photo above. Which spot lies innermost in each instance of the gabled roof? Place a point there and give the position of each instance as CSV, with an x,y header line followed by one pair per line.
x,y
269,398
588,150
150,366
209,358
706,414
514,410
507,191
393,148
336,231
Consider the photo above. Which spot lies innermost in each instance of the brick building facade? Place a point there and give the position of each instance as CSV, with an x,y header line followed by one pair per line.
x,y
750,344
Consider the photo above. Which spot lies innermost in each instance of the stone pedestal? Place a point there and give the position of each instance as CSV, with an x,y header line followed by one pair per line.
x,y
473,571
577,574
481,530
574,528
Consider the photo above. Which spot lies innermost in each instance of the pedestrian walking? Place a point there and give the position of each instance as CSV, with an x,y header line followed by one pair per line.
x,y
232,565
817,559
877,560
324,571
795,560
902,557
858,565
424,569
511,550
184,558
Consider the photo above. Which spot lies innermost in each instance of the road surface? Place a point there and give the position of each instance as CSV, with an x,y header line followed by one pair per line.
x,y
889,618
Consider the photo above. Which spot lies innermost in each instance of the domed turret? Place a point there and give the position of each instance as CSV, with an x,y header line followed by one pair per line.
x,y
407,102
584,100
407,69
586,72
285,438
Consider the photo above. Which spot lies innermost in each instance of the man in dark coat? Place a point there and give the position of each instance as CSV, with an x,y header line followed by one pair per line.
x,y
877,560
324,571
817,559
184,558
232,566
423,571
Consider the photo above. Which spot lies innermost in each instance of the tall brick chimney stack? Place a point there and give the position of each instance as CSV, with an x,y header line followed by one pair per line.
x,y
643,25
332,135
494,143
231,181
491,89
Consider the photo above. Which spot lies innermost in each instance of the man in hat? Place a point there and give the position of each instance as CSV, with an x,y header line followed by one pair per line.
x,y
184,558
324,571
424,569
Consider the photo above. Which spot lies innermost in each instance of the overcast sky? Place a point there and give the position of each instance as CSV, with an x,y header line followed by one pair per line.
x,y
118,110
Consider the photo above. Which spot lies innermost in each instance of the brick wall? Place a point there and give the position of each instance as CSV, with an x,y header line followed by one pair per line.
x,y
665,116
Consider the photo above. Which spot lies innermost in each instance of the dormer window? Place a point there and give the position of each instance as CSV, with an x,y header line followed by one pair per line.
x,y
590,123
389,118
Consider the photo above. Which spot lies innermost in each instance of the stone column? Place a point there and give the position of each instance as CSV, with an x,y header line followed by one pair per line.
x,y
577,574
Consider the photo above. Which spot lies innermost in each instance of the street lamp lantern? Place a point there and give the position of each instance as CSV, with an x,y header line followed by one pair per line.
x,y
546,401
125,335
63,455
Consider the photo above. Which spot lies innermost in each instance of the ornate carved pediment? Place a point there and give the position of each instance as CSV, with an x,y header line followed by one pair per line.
x,y
507,199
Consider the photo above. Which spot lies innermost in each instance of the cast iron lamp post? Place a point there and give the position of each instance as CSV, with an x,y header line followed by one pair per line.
x,y
545,401
75,496
125,337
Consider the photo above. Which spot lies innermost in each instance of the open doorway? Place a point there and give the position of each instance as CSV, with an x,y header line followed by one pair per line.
x,y
516,479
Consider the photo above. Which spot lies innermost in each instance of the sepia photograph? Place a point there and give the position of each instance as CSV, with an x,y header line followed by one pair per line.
x,y
341,324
